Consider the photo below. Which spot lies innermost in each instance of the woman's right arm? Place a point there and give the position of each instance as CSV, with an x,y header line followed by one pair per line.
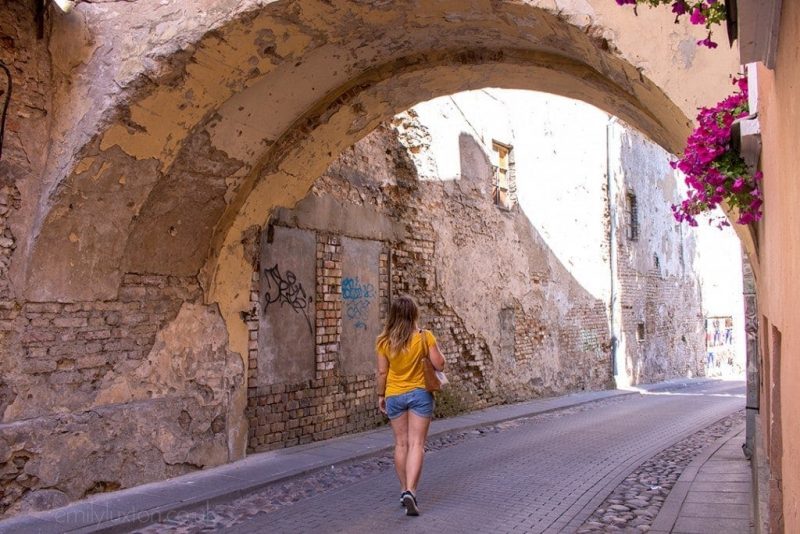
x,y
436,357
380,379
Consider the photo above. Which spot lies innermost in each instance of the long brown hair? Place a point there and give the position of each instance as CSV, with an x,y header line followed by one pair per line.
x,y
403,315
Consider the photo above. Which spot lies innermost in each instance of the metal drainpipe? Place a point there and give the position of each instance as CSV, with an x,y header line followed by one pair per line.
x,y
611,195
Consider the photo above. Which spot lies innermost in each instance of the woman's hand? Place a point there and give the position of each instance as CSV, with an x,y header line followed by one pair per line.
x,y
382,405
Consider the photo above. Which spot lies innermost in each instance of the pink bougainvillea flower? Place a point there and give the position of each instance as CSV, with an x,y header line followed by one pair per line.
x,y
714,172
707,42
680,7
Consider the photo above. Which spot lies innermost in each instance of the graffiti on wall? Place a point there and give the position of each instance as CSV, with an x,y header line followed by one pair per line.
x,y
285,289
357,298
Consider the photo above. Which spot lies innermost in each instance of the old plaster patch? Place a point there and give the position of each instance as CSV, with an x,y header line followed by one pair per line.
x,y
189,358
685,51
84,165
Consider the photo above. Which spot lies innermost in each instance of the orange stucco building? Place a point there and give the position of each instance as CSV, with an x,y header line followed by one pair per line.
x,y
778,256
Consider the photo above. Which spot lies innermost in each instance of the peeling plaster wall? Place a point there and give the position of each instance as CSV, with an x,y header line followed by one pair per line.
x,y
273,85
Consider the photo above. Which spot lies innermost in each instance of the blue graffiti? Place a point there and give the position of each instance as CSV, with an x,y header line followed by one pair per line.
x,y
357,298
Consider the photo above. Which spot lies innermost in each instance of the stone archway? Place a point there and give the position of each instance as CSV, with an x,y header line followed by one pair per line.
x,y
216,124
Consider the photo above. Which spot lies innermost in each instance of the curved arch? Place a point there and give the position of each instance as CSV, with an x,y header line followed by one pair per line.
x,y
307,148
130,202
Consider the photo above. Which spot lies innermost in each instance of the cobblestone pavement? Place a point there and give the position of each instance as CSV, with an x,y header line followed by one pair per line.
x,y
536,474
635,503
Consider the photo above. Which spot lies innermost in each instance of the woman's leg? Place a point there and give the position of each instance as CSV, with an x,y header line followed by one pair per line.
x,y
417,434
400,429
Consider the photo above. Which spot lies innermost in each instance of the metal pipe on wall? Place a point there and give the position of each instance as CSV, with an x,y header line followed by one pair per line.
x,y
611,196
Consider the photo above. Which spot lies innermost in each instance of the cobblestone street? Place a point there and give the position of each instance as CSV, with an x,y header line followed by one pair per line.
x,y
547,473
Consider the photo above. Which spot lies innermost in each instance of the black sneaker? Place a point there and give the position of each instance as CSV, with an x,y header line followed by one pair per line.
x,y
410,502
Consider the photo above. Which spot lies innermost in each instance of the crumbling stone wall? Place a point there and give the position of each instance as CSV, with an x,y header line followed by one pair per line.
x,y
129,134
95,395
541,332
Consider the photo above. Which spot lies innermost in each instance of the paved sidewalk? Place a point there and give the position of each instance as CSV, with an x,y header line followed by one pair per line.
x,y
131,508
713,494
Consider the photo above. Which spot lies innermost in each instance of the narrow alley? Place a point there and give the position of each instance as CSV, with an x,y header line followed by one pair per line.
x,y
542,473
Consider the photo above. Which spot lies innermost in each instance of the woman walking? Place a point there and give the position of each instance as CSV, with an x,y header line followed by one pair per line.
x,y
401,391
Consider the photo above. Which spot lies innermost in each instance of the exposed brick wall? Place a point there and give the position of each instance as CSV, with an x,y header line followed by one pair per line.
x,y
129,409
551,352
27,124
66,353
332,404
414,273
528,335
10,199
670,310
328,304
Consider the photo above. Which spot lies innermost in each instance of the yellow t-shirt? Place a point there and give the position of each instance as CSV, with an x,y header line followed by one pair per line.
x,y
405,367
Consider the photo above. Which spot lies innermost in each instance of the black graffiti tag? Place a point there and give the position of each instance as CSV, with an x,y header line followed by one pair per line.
x,y
287,290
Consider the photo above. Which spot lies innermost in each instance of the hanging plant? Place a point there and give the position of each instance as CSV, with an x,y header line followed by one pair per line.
x,y
715,172
702,13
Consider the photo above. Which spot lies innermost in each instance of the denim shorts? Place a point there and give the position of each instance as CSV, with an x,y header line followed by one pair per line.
x,y
417,400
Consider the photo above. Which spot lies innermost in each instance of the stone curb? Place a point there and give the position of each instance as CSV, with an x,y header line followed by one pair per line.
x,y
136,507
670,510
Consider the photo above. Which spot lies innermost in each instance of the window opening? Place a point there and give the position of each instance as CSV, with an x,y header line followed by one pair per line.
x,y
632,217
503,175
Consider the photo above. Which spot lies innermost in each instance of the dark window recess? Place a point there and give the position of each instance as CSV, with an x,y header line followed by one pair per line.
x,y
656,261
640,332
503,176
632,218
